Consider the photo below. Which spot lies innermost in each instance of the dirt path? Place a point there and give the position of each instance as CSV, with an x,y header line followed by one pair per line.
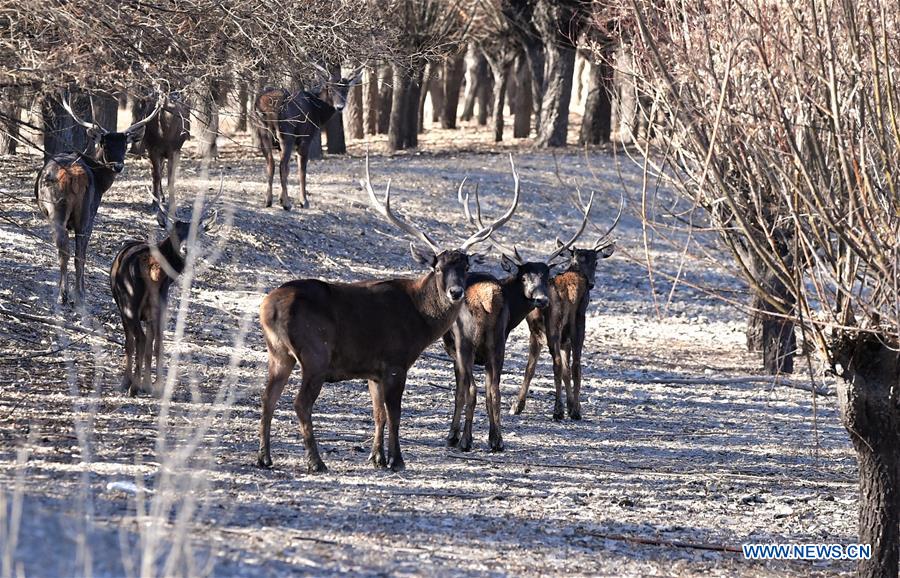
x,y
708,464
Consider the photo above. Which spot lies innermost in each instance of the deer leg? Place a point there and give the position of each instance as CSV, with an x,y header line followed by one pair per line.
x,y
303,403
174,161
304,203
284,169
574,405
156,176
158,348
149,340
270,174
471,391
556,353
128,377
280,367
61,238
459,365
534,350
81,243
566,371
493,369
140,340
394,383
379,416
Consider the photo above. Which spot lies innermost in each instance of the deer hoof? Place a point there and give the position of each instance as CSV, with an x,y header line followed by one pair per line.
x,y
268,203
465,443
575,414
377,459
316,467
397,464
558,414
286,207
264,461
516,408
453,439
496,444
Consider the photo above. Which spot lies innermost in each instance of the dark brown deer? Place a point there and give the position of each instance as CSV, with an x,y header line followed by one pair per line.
x,y
561,323
493,308
140,277
163,138
288,121
373,330
69,187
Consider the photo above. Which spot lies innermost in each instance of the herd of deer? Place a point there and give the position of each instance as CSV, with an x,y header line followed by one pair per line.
x,y
373,330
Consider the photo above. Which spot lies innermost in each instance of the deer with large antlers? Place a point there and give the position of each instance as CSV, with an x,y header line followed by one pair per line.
x,y
289,121
69,187
493,308
140,277
561,323
373,330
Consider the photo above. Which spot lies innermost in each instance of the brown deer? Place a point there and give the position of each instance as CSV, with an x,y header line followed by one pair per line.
x,y
561,323
373,330
163,138
69,187
139,278
493,309
287,121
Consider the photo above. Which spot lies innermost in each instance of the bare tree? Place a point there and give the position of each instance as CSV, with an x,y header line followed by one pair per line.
x,y
795,164
558,22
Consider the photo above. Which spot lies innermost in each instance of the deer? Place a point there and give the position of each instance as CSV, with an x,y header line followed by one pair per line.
x,y
69,187
494,307
562,322
139,278
372,330
286,121
163,138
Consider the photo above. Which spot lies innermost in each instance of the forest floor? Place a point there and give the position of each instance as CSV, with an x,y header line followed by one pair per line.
x,y
675,464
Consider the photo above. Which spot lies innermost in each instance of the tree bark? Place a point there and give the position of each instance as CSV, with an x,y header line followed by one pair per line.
x,y
106,111
870,410
370,108
385,98
423,95
483,96
557,22
207,117
10,113
403,131
774,336
61,132
436,91
243,96
596,126
454,68
499,65
524,101
353,113
476,73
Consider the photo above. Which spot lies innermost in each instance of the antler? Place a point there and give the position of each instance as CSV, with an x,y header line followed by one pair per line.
x,y
140,123
64,100
511,253
486,231
602,240
385,210
577,234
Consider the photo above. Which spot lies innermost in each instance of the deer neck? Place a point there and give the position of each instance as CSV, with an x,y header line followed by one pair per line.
x,y
104,176
437,311
518,305
320,111
172,257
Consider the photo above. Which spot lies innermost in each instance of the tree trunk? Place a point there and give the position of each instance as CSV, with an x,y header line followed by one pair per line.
x,y
534,52
476,73
772,335
870,410
596,127
370,109
106,111
61,132
334,131
484,92
403,133
243,97
353,113
436,91
207,131
524,101
10,114
500,70
454,67
557,22
423,95
385,98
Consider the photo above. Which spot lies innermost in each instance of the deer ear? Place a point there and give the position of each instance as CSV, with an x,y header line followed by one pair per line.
x,y
476,259
423,256
606,251
507,264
